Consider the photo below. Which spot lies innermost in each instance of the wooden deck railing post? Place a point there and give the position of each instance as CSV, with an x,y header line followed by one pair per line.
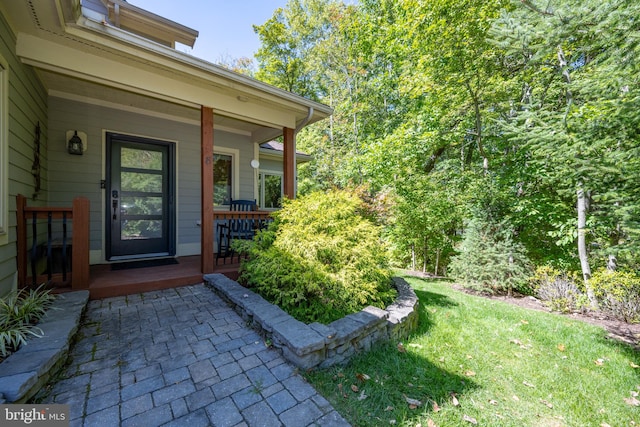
x,y
80,244
21,223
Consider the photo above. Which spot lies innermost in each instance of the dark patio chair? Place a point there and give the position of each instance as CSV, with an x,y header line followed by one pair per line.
x,y
235,228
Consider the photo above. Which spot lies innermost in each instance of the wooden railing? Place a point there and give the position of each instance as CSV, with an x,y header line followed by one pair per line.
x,y
264,216
255,220
46,247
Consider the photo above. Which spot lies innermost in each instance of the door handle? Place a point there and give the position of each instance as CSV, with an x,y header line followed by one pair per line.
x,y
114,203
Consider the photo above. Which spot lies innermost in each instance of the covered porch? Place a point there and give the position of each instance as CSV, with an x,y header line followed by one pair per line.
x,y
156,141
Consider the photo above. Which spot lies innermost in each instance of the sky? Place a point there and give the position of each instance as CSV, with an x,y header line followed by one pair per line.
x,y
225,26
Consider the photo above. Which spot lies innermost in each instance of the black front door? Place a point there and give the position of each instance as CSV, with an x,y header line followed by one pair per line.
x,y
140,189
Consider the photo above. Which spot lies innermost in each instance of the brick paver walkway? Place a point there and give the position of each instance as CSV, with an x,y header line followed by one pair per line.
x,y
181,357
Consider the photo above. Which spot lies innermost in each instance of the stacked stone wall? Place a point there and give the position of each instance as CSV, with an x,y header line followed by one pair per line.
x,y
316,344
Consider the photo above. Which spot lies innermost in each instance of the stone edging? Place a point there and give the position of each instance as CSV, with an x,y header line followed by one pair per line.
x,y
318,345
24,372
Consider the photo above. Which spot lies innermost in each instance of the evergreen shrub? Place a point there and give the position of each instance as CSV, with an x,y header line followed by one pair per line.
x,y
490,261
618,293
320,259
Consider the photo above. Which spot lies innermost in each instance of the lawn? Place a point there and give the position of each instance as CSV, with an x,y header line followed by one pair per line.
x,y
475,360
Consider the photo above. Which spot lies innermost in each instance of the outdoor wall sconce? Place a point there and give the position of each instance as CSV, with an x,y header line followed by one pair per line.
x,y
255,164
76,144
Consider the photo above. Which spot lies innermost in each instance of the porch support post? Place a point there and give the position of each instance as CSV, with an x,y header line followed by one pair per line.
x,y
289,165
206,186
80,244
21,204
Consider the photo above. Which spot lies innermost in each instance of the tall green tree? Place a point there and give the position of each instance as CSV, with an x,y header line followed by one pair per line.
x,y
577,117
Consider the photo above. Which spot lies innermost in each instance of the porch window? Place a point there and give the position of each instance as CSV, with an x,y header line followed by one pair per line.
x,y
270,189
4,151
222,179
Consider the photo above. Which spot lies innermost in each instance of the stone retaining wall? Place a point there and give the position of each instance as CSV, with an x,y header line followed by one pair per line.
x,y
318,345
23,373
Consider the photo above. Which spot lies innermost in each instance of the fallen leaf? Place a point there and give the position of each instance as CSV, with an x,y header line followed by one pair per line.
x,y
632,401
430,423
516,398
392,422
414,345
354,388
362,396
516,341
436,408
340,375
633,365
469,419
634,393
441,359
454,400
388,408
599,362
561,347
363,377
493,402
547,403
412,402
604,425
469,356
469,373
524,322
410,384
401,348
528,384
341,391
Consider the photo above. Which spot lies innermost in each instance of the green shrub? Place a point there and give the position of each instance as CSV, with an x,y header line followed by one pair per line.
x,y
618,293
489,260
320,259
558,290
19,312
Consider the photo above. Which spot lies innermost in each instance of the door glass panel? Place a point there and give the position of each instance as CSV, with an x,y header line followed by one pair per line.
x,y
141,205
141,229
140,159
140,181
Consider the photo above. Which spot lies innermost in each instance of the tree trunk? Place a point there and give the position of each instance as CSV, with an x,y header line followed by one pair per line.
x,y
435,271
413,257
582,245
424,257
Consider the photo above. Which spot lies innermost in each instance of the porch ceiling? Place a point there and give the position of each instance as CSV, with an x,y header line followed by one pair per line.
x,y
67,87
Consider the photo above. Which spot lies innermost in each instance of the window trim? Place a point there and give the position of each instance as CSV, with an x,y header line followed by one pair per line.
x,y
4,151
235,172
261,186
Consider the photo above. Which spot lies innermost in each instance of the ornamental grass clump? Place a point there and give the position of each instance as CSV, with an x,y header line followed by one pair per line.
x,y
19,312
320,259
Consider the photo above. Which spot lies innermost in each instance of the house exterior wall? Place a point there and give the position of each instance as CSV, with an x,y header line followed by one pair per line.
x,y
72,176
26,107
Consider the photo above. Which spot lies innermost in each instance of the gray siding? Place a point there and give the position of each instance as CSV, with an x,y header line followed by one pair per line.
x,y
71,176
270,165
27,107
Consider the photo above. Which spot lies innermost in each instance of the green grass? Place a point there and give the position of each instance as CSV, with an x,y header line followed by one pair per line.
x,y
507,366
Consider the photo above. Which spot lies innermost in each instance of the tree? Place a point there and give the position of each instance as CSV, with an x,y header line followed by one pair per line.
x,y
577,116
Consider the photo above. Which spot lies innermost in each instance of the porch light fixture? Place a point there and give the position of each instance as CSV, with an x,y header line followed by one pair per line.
x,y
75,145
255,164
